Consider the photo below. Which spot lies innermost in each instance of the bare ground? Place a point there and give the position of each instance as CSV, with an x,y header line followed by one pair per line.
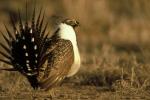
x,y
83,86
76,93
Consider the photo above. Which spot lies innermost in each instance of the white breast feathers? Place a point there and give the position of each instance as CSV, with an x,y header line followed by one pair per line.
x,y
67,32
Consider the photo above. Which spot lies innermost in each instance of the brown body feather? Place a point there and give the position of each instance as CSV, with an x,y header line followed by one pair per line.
x,y
56,67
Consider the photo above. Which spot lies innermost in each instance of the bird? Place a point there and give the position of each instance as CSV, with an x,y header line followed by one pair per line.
x,y
44,61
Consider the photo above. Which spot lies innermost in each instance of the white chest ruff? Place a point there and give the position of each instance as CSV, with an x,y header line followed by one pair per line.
x,y
68,33
76,65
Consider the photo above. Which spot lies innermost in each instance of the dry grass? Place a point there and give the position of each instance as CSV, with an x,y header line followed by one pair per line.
x,y
114,45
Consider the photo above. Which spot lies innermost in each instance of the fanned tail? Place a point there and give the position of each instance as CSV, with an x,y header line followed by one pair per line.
x,y
24,46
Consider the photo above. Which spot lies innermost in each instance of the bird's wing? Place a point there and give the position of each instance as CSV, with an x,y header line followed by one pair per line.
x,y
57,65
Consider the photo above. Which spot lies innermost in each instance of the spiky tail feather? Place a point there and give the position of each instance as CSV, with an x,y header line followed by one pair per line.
x,y
26,46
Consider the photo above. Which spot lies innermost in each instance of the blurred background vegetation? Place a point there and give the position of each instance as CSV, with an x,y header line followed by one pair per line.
x,y
113,37
119,20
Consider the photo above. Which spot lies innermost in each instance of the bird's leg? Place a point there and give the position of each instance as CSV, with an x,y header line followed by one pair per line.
x,y
52,93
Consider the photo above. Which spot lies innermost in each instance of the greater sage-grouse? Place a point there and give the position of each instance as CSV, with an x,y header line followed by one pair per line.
x,y
44,61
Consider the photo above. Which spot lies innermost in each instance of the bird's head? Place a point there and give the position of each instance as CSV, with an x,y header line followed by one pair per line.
x,y
66,29
71,22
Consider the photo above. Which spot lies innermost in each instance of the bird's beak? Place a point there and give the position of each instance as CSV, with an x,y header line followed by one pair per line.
x,y
76,24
